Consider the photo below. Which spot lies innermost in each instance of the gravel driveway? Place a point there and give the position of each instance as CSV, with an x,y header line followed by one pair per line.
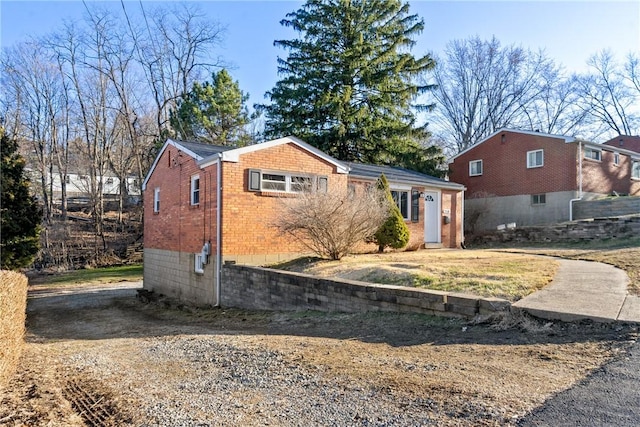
x,y
97,356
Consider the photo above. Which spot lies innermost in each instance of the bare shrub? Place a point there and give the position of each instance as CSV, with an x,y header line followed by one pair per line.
x,y
331,224
475,213
13,304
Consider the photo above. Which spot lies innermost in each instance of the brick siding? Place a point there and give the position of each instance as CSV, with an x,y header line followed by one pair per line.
x,y
505,171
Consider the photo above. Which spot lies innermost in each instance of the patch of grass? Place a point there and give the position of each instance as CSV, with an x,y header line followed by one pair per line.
x,y
480,272
97,275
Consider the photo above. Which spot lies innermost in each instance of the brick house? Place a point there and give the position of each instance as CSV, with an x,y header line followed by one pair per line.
x,y
631,143
532,178
206,205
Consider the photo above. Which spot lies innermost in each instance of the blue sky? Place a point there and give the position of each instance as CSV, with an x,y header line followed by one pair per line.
x,y
569,31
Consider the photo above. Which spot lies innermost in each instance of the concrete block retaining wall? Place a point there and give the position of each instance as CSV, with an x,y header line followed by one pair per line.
x,y
606,207
577,231
266,289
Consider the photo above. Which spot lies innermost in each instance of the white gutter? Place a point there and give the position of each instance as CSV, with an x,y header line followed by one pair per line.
x,y
218,229
579,182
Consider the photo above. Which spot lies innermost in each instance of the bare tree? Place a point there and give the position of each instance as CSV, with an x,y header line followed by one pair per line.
x,y
33,84
483,87
609,93
556,109
332,224
174,50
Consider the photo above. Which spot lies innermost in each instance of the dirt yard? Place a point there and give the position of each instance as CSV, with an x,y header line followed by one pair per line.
x,y
97,356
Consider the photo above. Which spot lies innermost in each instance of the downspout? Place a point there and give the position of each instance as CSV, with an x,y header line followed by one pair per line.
x,y
462,223
218,229
579,182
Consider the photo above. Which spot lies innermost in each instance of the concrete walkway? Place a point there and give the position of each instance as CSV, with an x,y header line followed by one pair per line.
x,y
584,290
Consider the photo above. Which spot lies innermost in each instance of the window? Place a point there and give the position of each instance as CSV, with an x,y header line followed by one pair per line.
x,y
67,179
593,154
475,167
616,158
301,183
286,182
402,201
535,159
635,169
538,199
109,181
415,205
274,182
156,199
195,190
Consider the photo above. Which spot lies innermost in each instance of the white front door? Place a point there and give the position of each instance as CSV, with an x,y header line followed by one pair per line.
x,y
431,217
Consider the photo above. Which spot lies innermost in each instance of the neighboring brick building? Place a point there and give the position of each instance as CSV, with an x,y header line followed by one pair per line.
x,y
631,143
531,178
192,188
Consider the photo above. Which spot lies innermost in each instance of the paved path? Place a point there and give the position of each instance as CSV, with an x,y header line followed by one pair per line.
x,y
611,395
584,290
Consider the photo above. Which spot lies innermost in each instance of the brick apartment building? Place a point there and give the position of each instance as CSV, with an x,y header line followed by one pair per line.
x,y
206,205
532,178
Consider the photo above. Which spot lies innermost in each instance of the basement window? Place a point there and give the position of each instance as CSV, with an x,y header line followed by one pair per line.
x,y
538,199
286,182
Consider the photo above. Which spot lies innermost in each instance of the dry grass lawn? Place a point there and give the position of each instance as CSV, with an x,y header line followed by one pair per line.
x,y
481,272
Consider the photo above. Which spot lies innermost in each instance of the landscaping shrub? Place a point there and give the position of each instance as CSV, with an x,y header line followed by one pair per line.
x,y
13,304
394,231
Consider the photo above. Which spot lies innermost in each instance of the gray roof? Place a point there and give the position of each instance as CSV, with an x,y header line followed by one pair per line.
x,y
203,150
397,174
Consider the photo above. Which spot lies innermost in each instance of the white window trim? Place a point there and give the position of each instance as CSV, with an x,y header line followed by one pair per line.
x,y
635,165
529,164
408,207
593,150
192,193
472,162
616,158
318,182
156,199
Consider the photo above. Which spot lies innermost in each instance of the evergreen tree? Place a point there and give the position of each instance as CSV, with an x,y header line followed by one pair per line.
x,y
20,215
394,231
214,112
350,82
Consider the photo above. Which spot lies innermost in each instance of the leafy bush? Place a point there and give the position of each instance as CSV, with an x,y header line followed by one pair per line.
x,y
393,232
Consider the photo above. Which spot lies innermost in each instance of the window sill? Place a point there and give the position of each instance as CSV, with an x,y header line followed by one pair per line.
x,y
280,194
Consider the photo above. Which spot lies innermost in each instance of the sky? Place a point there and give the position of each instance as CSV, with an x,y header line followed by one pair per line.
x,y
568,31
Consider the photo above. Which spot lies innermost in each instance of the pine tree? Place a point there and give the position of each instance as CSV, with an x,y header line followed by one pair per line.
x,y
214,113
20,215
350,83
393,232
